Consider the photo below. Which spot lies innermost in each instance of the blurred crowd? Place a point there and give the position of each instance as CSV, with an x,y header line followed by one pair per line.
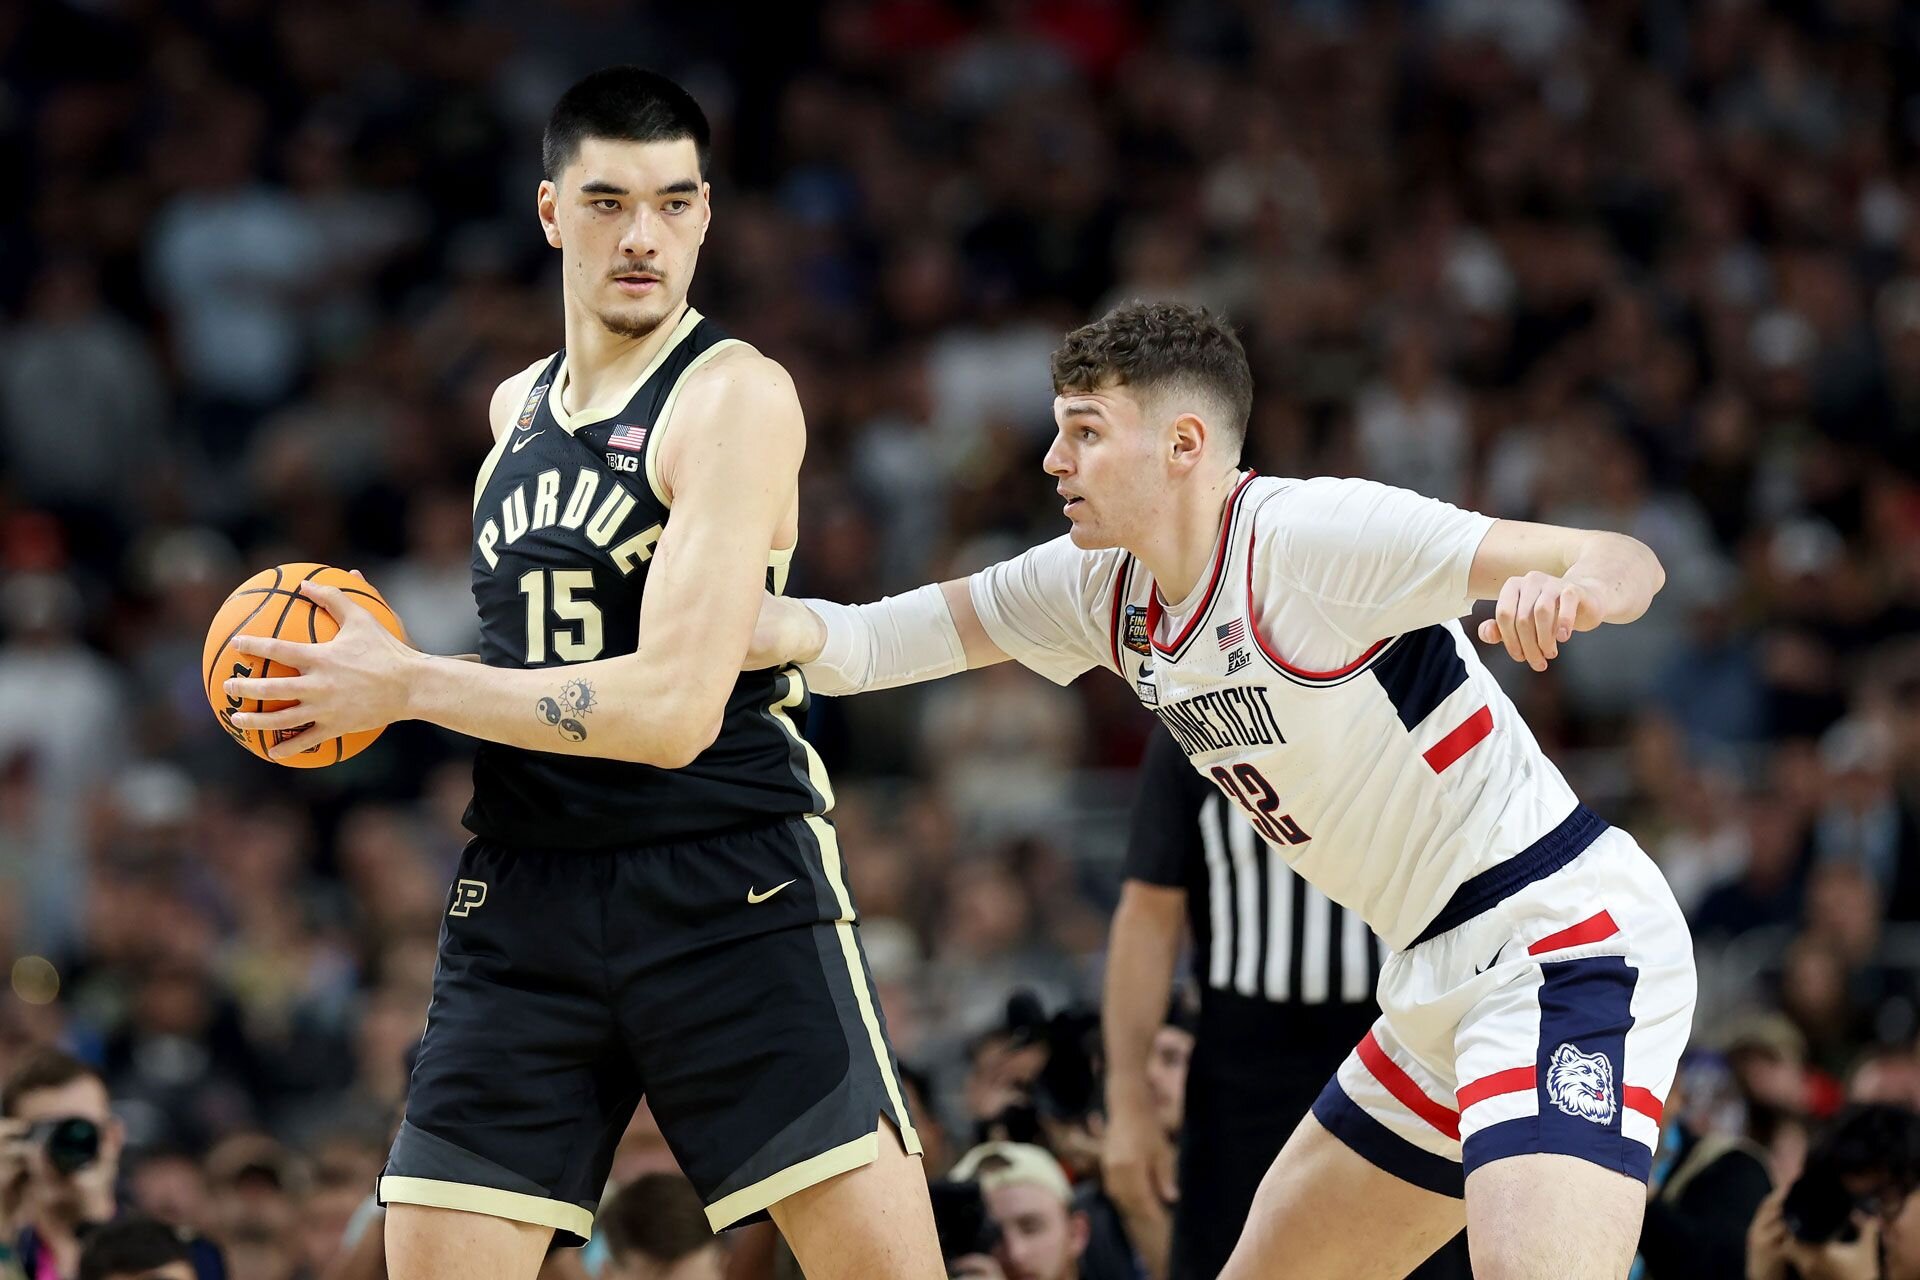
x,y
1647,265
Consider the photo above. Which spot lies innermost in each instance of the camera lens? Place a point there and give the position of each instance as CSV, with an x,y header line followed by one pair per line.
x,y
1817,1207
73,1144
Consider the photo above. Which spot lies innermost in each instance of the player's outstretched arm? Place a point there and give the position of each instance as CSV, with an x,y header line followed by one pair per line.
x,y
1549,582
737,438
924,634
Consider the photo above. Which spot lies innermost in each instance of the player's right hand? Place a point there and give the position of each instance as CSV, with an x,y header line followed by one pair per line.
x,y
1137,1163
1537,613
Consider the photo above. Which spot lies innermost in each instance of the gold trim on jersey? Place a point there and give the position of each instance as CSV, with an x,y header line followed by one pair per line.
x,y
515,1206
530,376
780,560
487,466
830,862
610,406
816,769
846,1157
664,418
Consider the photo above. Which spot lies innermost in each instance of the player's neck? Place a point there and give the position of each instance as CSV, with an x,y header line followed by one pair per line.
x,y
1180,551
598,359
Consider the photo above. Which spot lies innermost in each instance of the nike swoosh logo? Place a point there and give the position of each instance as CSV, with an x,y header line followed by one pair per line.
x,y
521,443
1480,969
762,897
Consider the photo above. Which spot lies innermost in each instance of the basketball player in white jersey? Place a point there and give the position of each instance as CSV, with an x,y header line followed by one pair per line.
x,y
1300,640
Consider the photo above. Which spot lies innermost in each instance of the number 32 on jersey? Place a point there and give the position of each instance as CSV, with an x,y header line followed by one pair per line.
x,y
1256,797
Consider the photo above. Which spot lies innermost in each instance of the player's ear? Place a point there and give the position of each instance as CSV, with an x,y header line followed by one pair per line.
x,y
546,203
1187,440
706,209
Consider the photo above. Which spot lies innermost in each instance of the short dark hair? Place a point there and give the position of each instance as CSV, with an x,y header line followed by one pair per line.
x,y
1151,345
657,1215
43,1068
626,104
131,1247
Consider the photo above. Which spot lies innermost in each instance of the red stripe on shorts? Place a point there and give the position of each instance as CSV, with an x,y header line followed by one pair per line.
x,y
1513,1080
1463,739
1401,1086
1643,1101
1595,928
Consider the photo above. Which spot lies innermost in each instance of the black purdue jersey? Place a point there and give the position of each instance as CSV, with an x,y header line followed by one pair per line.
x,y
567,511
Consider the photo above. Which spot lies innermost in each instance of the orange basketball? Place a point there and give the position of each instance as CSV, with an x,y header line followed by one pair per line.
x,y
270,604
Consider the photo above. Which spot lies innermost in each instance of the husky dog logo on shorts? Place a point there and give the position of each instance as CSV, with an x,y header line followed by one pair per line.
x,y
1581,1084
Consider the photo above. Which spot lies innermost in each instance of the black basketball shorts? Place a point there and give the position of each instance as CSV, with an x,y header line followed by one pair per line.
x,y
721,978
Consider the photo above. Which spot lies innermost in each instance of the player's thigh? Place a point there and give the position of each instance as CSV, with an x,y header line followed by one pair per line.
x,y
1325,1210
1552,1215
426,1243
873,1221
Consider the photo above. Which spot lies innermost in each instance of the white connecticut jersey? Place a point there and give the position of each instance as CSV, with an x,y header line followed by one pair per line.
x,y
1319,676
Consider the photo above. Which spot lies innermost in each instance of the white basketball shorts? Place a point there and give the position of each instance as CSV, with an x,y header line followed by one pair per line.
x,y
1544,1009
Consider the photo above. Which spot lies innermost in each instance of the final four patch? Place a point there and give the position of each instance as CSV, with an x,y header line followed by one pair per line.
x,y
1133,633
534,397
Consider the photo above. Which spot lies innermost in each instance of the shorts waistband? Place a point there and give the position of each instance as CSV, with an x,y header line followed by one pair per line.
x,y
1537,861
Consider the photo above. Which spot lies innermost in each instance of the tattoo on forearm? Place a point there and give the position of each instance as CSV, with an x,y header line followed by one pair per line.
x,y
567,712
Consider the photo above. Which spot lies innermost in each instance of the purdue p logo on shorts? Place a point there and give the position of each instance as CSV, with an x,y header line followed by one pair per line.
x,y
467,894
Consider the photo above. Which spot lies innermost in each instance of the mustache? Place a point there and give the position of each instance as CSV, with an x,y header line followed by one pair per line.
x,y
655,272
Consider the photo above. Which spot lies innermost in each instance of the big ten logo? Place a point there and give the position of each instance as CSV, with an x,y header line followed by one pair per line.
x,y
623,462
467,894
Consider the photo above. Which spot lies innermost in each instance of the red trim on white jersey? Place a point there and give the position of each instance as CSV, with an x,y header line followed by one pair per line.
x,y
1119,589
1253,625
1154,607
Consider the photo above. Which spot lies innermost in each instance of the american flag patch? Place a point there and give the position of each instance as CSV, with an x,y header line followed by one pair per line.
x,y
628,437
1231,633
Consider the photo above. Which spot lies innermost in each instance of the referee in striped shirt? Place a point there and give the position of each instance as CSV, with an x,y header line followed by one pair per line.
x,y
1286,980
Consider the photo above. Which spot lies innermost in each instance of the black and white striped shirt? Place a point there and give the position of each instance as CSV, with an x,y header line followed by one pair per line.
x,y
1259,930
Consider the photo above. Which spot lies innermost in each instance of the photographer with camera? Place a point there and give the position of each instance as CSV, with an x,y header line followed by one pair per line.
x,y
1046,1091
969,1236
60,1147
1852,1214
1041,1232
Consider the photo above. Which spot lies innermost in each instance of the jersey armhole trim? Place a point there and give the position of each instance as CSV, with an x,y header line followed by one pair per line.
x,y
1122,577
539,375
530,405
664,418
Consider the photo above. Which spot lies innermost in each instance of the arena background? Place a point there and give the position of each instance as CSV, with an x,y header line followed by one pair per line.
x,y
1653,267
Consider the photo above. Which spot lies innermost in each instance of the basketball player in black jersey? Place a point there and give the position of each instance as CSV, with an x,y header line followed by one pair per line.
x,y
654,902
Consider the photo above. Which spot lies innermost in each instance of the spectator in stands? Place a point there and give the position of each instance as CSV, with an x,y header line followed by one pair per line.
x,y
63,1158
656,1229
1042,1235
1704,1191
137,1249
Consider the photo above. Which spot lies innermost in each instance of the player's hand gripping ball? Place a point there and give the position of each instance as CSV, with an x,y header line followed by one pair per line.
x,y
270,605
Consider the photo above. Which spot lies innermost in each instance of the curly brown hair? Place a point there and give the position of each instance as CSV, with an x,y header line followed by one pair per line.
x,y
1153,346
